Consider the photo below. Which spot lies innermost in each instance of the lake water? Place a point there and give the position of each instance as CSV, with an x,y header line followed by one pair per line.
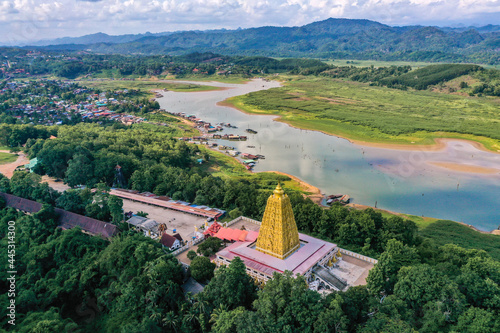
x,y
397,180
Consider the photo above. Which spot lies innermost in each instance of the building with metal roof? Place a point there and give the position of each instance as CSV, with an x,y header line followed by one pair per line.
x,y
149,227
67,220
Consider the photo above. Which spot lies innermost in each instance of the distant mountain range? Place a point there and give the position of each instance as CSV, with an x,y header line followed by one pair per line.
x,y
331,38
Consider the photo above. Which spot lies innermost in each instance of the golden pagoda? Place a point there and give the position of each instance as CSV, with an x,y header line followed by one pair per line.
x,y
278,235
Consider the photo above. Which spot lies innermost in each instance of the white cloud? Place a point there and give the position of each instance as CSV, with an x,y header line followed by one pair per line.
x,y
24,20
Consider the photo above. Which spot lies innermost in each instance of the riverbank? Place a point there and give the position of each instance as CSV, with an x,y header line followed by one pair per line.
x,y
367,115
148,87
337,166
314,193
439,144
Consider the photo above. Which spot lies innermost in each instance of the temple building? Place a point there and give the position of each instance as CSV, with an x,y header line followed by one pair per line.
x,y
279,247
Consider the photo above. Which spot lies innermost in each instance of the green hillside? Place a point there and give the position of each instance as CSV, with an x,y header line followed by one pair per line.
x,y
331,38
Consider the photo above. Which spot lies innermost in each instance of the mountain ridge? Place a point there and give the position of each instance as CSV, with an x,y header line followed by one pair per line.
x,y
330,38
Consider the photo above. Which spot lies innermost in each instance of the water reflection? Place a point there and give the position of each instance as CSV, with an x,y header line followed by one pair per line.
x,y
398,180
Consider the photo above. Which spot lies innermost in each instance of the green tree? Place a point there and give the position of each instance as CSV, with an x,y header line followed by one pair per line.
x,y
191,255
476,320
417,285
235,213
115,208
71,200
49,321
80,170
210,246
231,287
202,269
333,318
227,321
383,276
287,304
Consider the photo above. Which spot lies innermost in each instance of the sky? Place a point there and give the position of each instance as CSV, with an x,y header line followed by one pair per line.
x,y
22,21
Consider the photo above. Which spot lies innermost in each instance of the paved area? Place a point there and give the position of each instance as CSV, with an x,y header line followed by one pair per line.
x,y
354,270
183,223
182,257
248,225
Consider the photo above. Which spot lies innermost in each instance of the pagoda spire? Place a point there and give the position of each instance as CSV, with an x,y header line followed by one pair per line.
x,y
278,235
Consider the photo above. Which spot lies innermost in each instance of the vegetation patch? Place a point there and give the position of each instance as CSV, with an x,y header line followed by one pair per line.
x,y
377,114
7,158
449,232
423,77
145,85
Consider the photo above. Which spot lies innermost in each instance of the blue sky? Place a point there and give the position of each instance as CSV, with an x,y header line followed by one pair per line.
x,y
22,21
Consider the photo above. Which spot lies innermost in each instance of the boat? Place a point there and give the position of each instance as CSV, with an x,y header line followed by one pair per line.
x,y
345,199
249,130
262,157
342,198
249,156
250,146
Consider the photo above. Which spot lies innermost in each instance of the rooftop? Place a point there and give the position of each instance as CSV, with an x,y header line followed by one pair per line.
x,y
299,262
67,220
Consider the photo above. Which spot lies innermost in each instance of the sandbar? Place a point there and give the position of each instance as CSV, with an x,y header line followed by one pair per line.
x,y
466,168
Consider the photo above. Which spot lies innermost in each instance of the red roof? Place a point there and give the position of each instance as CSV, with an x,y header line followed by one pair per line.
x,y
213,229
168,240
152,199
237,235
243,236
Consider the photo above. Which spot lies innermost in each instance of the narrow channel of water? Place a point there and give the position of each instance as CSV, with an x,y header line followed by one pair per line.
x,y
397,180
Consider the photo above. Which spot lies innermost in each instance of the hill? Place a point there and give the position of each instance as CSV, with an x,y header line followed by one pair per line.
x,y
331,38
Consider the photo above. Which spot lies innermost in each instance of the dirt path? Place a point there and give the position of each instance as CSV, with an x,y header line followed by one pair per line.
x,y
56,185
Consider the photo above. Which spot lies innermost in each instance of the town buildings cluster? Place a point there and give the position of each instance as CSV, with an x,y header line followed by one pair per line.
x,y
55,102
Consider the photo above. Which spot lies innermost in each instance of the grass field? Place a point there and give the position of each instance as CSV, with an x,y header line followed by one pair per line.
x,y
375,63
219,78
7,158
377,114
422,222
226,167
448,232
114,73
145,86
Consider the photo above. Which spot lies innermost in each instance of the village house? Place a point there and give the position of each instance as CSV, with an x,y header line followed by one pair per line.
x,y
171,242
149,227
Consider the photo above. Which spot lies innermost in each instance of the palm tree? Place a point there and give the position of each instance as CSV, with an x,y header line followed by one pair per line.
x,y
217,312
171,321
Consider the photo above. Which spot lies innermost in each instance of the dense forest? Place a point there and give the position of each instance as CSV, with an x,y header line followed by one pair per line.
x,y
68,281
91,66
72,282
331,38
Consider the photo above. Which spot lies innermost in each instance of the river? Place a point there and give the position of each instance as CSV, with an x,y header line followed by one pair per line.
x,y
398,180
